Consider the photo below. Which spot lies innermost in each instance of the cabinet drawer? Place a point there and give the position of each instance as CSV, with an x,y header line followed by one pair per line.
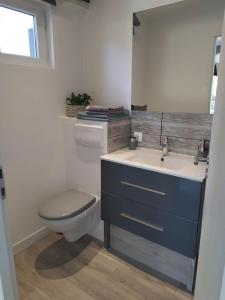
x,y
170,193
160,227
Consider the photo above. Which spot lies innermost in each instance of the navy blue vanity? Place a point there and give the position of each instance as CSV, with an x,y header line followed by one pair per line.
x,y
162,208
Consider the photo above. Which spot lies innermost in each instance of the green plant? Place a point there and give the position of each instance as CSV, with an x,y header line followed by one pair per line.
x,y
80,99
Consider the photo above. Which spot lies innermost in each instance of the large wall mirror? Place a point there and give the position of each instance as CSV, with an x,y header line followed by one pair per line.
x,y
176,54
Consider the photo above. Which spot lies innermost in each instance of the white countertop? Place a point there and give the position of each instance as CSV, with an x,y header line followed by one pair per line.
x,y
174,164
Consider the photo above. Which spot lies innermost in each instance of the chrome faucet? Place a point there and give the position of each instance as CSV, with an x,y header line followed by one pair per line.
x,y
164,144
202,154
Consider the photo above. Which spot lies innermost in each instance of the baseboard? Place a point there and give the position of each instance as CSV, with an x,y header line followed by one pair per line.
x,y
30,240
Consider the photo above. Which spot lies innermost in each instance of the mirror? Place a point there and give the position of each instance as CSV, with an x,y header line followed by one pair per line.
x,y
174,56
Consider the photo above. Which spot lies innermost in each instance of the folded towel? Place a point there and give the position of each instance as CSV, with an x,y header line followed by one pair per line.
x,y
119,108
103,120
99,108
102,117
139,107
109,113
92,119
124,113
86,115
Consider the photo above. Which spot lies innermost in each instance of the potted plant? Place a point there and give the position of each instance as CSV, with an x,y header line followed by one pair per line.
x,y
76,104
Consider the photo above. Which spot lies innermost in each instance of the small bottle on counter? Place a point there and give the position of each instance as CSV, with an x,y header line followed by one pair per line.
x,y
133,143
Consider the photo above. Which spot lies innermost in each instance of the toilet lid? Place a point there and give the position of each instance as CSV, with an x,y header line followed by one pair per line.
x,y
66,205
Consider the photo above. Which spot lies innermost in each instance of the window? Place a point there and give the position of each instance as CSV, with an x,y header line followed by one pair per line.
x,y
24,32
17,33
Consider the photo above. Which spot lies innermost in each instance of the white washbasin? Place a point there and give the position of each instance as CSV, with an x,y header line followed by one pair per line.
x,y
174,164
154,158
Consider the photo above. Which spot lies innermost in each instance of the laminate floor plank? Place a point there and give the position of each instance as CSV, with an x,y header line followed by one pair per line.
x,y
55,269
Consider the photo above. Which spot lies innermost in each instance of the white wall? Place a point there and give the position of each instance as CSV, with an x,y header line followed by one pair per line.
x,y
175,47
31,131
212,247
108,49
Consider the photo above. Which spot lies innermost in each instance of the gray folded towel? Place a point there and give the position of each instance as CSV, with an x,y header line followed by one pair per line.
x,y
100,108
139,107
86,115
106,113
103,117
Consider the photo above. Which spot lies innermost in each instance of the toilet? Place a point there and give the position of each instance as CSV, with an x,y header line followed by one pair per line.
x,y
72,213
77,212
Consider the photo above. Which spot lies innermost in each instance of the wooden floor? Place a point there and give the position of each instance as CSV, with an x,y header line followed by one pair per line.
x,y
55,269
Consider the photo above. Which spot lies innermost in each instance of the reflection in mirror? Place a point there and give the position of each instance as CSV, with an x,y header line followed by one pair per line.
x,y
173,54
215,74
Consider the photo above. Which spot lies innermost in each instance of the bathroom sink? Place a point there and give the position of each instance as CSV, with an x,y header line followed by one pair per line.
x,y
173,164
154,158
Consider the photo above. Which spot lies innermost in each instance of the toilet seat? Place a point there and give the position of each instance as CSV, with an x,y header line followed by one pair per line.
x,y
66,205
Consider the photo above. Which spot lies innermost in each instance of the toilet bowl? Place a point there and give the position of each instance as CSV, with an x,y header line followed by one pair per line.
x,y
72,213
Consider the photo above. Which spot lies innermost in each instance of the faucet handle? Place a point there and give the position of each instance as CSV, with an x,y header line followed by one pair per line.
x,y
164,141
204,146
164,144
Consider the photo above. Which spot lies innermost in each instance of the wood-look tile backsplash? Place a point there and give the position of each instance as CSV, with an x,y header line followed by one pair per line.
x,y
118,134
183,130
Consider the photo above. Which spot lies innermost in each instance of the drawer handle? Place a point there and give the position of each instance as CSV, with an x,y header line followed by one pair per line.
x,y
152,226
143,188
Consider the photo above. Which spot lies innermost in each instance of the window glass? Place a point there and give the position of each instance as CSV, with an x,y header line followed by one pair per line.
x,y
17,33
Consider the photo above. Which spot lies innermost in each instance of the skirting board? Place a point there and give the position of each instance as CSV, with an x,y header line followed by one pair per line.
x,y
30,240
43,232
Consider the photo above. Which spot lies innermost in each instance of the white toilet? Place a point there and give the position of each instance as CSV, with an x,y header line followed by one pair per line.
x,y
71,213
75,213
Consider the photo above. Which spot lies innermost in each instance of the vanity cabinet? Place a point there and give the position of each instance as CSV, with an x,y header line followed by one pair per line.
x,y
162,208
